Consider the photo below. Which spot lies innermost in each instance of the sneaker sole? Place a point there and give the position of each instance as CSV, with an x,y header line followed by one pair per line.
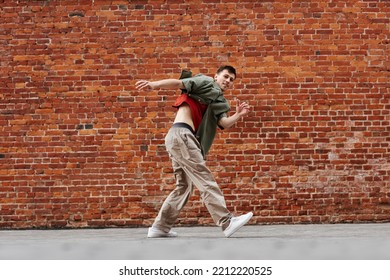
x,y
243,224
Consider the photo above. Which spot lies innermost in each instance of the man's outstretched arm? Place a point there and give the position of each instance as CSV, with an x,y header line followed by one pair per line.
x,y
162,84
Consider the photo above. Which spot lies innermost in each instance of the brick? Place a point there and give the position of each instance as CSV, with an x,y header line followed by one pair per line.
x,y
81,148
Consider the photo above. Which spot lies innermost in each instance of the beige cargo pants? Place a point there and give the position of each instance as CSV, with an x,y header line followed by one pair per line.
x,y
190,168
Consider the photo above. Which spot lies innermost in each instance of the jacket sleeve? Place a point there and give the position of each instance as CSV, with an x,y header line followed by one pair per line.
x,y
198,84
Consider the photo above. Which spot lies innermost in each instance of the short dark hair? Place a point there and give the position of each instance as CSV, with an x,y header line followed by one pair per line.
x,y
229,68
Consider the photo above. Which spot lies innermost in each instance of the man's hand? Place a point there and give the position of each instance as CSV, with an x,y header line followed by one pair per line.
x,y
242,109
144,85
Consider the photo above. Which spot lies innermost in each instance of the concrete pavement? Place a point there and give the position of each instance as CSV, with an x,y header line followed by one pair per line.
x,y
268,242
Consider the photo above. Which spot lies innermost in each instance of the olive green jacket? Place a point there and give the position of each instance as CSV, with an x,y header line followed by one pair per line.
x,y
206,91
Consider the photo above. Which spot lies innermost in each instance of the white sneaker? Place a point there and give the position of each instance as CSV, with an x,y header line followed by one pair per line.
x,y
236,223
155,233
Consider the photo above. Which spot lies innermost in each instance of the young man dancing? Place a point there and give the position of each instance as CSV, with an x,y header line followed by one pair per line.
x,y
200,109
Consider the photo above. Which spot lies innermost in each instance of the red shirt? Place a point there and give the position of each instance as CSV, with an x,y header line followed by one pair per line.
x,y
197,109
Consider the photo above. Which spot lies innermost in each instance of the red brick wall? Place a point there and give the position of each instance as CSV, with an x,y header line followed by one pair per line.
x,y
79,147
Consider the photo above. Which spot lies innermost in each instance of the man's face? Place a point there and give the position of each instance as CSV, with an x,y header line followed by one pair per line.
x,y
224,79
